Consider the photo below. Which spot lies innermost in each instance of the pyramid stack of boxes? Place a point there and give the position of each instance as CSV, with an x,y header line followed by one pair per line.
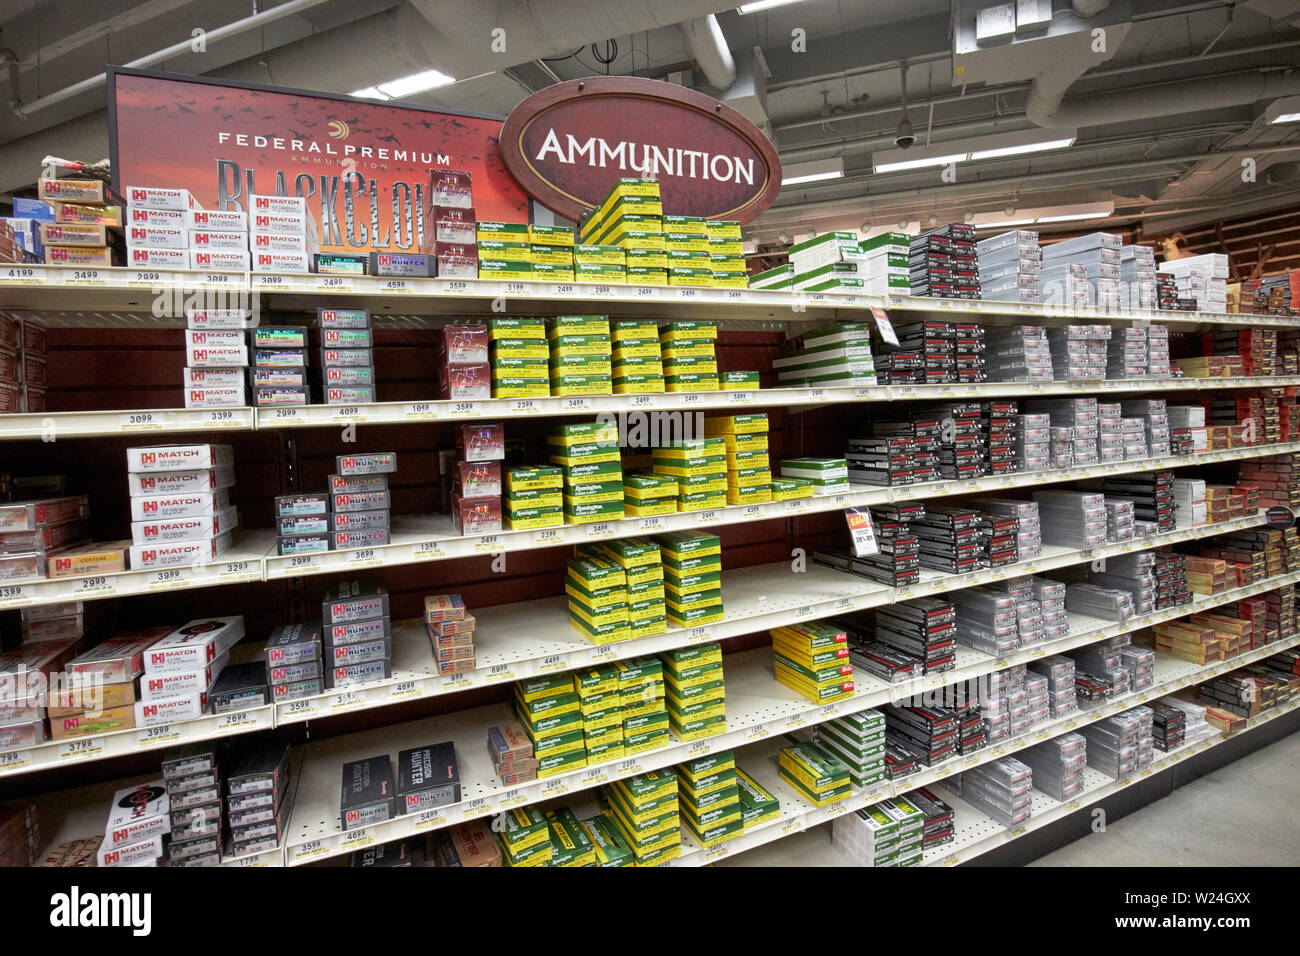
x,y
749,469
602,712
518,354
580,355
699,466
646,811
638,358
589,460
534,497
642,693
451,633
690,359
551,713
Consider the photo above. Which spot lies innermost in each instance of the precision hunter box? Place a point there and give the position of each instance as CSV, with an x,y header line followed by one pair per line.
x,y
427,777
367,794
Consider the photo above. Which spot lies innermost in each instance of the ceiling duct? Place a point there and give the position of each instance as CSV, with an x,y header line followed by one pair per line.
x,y
709,49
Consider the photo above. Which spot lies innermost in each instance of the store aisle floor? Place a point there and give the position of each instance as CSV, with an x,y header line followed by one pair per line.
x,y
1240,815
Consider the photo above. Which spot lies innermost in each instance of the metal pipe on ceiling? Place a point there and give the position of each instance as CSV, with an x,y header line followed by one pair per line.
x,y
235,28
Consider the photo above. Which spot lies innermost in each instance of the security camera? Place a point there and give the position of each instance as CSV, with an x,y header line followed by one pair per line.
x,y
903,136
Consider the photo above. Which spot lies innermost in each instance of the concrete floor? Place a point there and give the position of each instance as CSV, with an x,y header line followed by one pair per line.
x,y
1241,815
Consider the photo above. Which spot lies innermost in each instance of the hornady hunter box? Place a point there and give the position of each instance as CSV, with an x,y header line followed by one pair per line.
x,y
412,265
372,464
367,795
349,601
427,777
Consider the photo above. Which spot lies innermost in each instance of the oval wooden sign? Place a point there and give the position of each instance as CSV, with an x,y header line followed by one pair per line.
x,y
568,143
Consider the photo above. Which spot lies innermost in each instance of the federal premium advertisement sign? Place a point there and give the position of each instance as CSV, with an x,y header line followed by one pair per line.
x,y
363,166
568,143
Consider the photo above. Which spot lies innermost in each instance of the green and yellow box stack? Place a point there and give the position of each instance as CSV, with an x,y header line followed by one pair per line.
x,y
611,847
570,844
708,793
645,714
689,262
814,773
551,251
580,348
551,712
588,456
790,489
626,228
749,468
700,467
758,805
689,355
504,251
813,660
597,590
646,812
649,494
638,360
519,354
524,837
534,497
602,712
858,740
726,254
643,565
696,691
692,577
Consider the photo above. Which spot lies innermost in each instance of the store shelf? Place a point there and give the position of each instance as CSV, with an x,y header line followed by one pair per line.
x,y
243,562
798,816
530,638
58,753
419,538
145,422
119,289
82,812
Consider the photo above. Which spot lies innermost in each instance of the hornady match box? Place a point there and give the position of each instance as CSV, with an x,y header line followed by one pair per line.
x,y
155,197
137,813
192,505
178,457
168,710
178,482
194,644
219,318
175,554
155,530
154,687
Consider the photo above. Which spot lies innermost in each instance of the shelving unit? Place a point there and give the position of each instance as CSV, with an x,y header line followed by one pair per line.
x,y
515,641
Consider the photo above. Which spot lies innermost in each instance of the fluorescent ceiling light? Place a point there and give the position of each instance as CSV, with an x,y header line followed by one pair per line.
x,y
919,163
1073,217
1024,148
1285,110
968,150
415,83
758,6
1005,222
369,93
812,172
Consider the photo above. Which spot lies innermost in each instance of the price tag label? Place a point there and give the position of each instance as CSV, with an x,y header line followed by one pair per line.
x,y
333,284
303,562
364,558
830,710
348,700
167,579
467,409
794,723
309,850
576,403
299,709
794,826
548,537
644,292
87,277
594,777
498,673
425,411
643,401
22,275
488,544
84,749
698,634
269,282
430,550
699,749
802,612
525,406
12,760
553,664
628,768
735,295
281,415
221,418
740,398
237,722
430,819
512,798
406,690
554,788
348,413
355,839
475,808
942,772
652,523
752,512
601,529
141,421
94,587
708,517
757,732
12,595
600,291
606,652
399,286
685,292
717,852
